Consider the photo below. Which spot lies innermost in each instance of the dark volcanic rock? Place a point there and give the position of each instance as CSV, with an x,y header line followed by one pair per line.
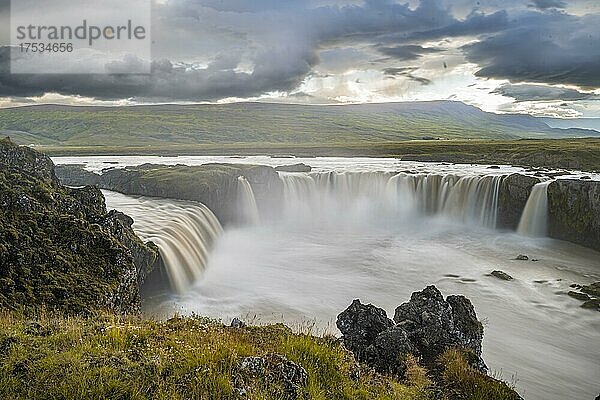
x,y
360,324
300,167
435,325
426,327
145,255
502,275
512,197
26,160
388,352
592,290
593,304
574,211
522,257
578,296
237,323
76,175
59,247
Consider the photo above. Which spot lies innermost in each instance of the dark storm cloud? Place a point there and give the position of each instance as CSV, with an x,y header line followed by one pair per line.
x,y
542,47
407,72
525,92
167,81
406,52
545,4
254,5
474,24
281,45
278,45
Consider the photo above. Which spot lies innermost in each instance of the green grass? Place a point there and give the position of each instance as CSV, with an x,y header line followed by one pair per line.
x,y
112,357
461,378
263,123
464,133
108,356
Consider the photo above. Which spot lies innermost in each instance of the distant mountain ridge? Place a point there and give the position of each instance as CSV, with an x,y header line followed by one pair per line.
x,y
581,123
58,125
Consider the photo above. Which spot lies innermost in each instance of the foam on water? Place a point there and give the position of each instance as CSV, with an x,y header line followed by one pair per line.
x,y
379,229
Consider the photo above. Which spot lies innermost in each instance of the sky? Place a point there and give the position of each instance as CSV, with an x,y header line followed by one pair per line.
x,y
540,57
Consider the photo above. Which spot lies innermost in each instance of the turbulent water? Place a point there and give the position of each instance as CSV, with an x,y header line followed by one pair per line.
x,y
183,231
470,199
247,202
534,221
380,229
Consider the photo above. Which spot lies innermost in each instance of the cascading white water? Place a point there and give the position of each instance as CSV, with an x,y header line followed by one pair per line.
x,y
247,202
183,231
534,220
471,199
306,266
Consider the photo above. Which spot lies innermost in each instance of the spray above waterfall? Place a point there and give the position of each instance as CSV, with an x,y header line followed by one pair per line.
x,y
470,199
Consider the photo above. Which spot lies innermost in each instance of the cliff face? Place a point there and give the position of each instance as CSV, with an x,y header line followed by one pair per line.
x,y
573,204
59,247
514,193
214,185
574,211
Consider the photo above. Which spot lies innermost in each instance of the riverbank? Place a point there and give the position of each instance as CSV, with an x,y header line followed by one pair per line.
x,y
580,154
113,356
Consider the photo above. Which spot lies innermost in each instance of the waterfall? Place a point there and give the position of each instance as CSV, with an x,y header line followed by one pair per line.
x,y
183,231
470,199
247,202
534,220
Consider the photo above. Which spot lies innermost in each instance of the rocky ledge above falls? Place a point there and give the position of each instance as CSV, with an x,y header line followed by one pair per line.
x,y
214,185
59,247
512,197
574,211
573,207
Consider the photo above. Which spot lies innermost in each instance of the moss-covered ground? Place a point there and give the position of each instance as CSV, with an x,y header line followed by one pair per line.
x,y
116,357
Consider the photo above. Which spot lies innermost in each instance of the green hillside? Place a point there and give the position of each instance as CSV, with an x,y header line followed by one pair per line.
x,y
264,123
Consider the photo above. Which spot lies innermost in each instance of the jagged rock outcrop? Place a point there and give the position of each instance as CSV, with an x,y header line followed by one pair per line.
x,y
512,198
214,185
59,247
426,327
574,211
589,294
29,162
76,175
361,324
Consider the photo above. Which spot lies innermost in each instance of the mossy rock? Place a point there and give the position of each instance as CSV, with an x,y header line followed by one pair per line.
x,y
59,247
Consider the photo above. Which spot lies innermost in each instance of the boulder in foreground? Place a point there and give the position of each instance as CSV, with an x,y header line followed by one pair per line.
x,y
444,335
426,327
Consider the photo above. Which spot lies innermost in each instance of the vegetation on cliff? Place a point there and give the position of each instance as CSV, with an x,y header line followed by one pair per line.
x,y
59,247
